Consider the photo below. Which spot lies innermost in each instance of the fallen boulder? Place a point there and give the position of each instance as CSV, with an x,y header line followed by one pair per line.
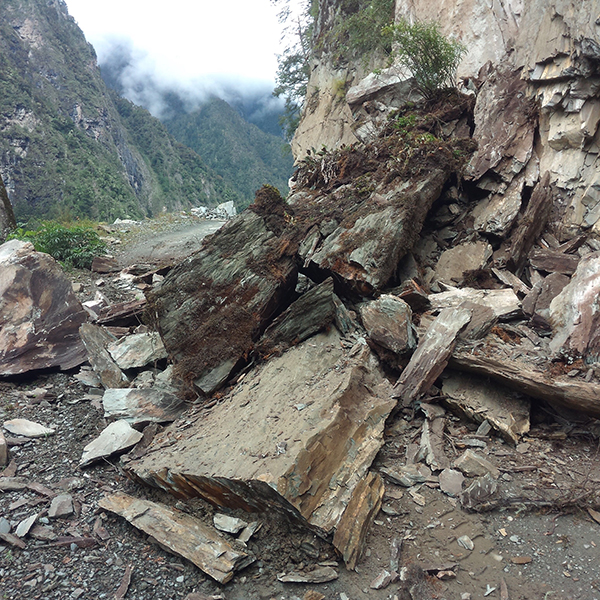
x,y
574,313
39,313
388,322
212,307
297,435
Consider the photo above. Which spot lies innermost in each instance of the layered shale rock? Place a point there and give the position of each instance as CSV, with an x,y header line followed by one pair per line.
x,y
297,435
39,313
212,307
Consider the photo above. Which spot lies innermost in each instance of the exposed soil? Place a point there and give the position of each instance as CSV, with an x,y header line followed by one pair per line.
x,y
539,539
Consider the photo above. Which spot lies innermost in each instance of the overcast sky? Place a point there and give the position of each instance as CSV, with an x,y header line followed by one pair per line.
x,y
190,44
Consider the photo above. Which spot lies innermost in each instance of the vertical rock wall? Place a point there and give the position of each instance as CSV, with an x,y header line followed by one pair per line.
x,y
551,48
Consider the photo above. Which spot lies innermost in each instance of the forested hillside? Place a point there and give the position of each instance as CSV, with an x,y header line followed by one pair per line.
x,y
70,147
244,155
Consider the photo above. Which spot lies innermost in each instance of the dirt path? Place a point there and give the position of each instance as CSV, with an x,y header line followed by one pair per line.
x,y
167,239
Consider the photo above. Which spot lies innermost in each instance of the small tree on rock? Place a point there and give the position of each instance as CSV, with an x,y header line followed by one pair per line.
x,y
431,57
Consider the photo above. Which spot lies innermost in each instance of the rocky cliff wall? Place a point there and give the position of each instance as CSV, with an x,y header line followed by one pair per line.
x,y
545,53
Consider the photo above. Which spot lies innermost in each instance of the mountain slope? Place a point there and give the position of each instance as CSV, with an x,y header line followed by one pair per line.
x,y
244,155
65,147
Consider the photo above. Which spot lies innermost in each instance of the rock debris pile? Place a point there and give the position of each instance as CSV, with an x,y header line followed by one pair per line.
x,y
374,347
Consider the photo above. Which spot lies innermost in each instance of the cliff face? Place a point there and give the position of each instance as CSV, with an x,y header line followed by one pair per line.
x,y
65,147
527,62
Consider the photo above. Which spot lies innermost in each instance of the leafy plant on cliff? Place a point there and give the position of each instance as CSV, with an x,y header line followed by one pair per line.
x,y
362,30
431,57
293,67
75,245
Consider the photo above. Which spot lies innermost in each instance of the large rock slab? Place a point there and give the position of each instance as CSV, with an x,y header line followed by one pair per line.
x,y
182,534
504,303
211,308
367,243
505,146
39,313
298,436
575,315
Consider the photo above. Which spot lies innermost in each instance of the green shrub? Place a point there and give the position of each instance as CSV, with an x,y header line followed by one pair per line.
x,y
73,245
431,57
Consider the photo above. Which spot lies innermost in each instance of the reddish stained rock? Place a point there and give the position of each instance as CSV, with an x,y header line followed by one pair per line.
x,y
39,313
504,146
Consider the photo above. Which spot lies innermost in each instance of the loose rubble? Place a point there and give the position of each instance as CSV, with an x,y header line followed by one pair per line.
x,y
378,385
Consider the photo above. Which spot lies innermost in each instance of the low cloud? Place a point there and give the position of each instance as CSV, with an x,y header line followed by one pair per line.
x,y
137,77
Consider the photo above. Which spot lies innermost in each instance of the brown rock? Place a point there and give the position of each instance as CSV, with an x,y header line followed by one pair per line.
x,y
503,147
182,534
39,313
310,462
105,264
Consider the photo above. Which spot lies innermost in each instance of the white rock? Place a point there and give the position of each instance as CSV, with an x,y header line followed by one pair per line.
x,y
228,524
117,437
27,428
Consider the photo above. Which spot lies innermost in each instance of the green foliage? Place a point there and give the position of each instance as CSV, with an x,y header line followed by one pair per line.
x,y
293,68
362,29
74,245
243,155
431,57
359,30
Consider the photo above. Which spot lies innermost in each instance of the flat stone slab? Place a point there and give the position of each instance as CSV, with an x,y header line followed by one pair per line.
x,y
259,451
181,534
27,428
138,350
117,437
504,303
141,406
507,411
454,262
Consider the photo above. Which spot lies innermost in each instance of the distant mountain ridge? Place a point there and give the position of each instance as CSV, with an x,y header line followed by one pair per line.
x,y
70,146
244,155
